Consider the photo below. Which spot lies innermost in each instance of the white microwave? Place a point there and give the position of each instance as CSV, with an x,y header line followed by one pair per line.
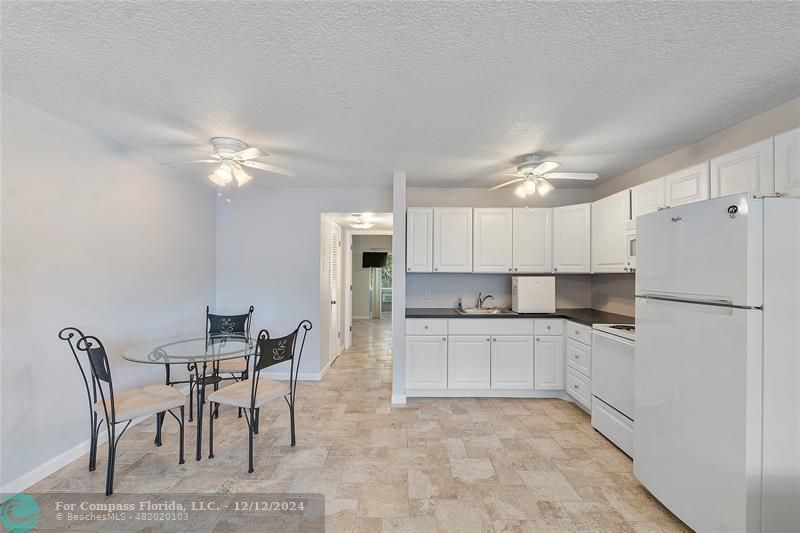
x,y
533,294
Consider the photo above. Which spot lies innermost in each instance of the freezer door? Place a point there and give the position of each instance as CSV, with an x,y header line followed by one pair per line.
x,y
708,250
697,412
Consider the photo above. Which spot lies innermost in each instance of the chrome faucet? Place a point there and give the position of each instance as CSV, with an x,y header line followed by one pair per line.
x,y
482,300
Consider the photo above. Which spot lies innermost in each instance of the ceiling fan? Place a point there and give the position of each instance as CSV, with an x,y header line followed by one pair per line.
x,y
534,175
232,155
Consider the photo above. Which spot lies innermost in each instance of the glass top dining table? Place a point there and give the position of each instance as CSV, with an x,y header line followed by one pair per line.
x,y
189,349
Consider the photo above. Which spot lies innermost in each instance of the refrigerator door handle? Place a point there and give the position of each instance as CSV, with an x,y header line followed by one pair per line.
x,y
699,301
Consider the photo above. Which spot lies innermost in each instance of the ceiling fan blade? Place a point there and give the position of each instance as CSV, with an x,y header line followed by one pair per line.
x,y
505,184
269,168
194,161
241,176
585,176
248,153
545,167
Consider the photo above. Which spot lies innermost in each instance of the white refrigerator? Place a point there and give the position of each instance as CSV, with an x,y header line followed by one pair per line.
x,y
717,370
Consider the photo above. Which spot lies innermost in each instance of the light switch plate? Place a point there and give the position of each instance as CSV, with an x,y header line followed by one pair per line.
x,y
427,294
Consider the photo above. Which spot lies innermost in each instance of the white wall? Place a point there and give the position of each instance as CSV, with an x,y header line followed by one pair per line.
x,y
479,197
571,291
361,244
268,255
97,238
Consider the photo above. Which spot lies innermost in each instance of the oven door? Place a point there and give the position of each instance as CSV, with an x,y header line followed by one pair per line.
x,y
612,371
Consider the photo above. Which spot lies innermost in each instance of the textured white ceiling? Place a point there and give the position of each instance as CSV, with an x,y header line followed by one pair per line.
x,y
343,93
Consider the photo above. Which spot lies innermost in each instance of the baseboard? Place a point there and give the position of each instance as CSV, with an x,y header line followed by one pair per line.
x,y
360,318
486,393
398,399
60,461
301,376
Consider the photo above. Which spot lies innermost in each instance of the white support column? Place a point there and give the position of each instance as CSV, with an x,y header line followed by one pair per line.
x,y
399,288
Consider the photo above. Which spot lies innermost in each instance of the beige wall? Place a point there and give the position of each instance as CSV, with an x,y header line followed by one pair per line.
x,y
767,124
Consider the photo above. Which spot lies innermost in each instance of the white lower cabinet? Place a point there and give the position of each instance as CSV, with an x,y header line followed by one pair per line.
x,y
512,362
579,364
426,362
548,368
469,362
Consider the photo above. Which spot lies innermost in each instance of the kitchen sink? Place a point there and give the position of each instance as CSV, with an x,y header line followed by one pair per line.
x,y
476,311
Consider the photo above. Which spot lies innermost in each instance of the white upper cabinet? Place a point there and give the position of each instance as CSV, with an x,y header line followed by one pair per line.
x,y
686,186
492,240
749,169
646,198
533,240
452,239
419,239
609,223
572,238
787,163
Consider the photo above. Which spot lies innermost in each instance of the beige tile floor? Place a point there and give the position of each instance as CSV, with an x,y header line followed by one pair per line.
x,y
454,465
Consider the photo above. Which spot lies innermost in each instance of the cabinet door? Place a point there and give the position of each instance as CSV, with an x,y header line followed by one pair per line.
x,y
419,240
686,186
533,240
468,362
787,163
492,240
609,221
646,198
452,239
426,362
572,238
747,170
512,362
548,357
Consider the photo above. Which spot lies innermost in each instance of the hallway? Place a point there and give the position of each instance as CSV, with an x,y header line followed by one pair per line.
x,y
455,465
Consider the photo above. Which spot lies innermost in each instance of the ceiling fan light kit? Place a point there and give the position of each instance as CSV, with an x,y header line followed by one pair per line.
x,y
232,155
534,175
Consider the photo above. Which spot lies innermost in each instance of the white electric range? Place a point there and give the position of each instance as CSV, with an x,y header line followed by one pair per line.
x,y
613,348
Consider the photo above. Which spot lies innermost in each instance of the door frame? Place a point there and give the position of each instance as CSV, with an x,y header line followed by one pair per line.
x,y
348,278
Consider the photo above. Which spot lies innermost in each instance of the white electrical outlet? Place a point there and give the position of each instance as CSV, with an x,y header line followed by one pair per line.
x,y
427,294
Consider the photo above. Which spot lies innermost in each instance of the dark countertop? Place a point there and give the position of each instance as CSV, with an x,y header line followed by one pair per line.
x,y
584,316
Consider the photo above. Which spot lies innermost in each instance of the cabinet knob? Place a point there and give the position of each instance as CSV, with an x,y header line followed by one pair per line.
x,y
509,270
516,269
555,270
576,332
548,327
488,339
574,386
436,269
444,339
426,327
538,339
409,269
494,339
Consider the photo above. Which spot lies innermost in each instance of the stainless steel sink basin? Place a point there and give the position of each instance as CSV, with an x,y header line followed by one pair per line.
x,y
476,311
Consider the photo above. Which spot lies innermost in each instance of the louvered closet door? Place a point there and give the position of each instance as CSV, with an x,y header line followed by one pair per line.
x,y
335,260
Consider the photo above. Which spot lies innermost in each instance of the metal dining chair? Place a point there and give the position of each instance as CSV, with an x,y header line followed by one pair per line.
x,y
118,408
218,328
255,392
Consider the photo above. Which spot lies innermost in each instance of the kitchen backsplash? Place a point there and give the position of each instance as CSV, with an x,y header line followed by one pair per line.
x,y
571,290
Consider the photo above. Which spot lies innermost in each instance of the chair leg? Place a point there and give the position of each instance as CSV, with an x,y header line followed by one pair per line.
x,y
191,397
240,412
159,423
112,451
255,424
211,429
93,444
183,422
291,420
250,442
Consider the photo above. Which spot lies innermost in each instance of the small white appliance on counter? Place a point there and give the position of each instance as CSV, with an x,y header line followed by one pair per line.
x,y
533,294
612,383
717,394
